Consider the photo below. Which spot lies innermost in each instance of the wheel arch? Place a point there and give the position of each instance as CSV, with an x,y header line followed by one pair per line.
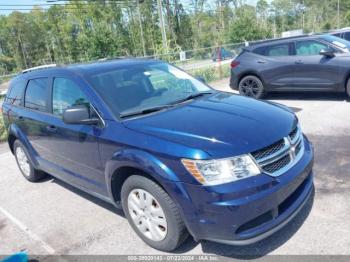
x,y
15,133
251,73
130,161
121,174
11,138
346,80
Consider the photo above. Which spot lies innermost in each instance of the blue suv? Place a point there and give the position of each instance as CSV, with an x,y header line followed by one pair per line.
x,y
179,157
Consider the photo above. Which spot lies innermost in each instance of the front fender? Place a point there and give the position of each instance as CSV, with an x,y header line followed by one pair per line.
x,y
141,160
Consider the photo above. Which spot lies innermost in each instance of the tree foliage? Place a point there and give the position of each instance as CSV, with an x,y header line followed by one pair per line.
x,y
85,30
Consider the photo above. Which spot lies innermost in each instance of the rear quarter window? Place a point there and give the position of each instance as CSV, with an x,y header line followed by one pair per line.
x,y
346,36
259,50
283,49
36,94
15,93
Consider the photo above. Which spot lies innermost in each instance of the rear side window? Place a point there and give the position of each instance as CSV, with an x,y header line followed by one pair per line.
x,y
274,50
36,94
15,95
66,93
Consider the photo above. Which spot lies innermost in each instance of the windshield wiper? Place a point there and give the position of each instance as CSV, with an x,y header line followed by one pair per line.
x,y
143,111
192,96
158,108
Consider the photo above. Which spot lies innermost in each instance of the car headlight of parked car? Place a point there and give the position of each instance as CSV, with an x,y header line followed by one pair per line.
x,y
220,171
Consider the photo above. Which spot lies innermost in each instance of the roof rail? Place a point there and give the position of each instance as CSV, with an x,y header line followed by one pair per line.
x,y
38,67
271,40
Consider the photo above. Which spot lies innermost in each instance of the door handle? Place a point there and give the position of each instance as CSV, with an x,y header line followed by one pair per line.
x,y
298,62
51,128
261,61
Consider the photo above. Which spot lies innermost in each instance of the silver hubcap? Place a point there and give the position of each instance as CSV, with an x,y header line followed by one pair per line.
x,y
23,161
147,214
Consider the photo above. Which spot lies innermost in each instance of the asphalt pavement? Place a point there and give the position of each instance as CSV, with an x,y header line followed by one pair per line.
x,y
52,217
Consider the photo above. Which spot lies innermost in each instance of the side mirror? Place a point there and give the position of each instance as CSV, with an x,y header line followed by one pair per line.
x,y
79,115
201,78
327,52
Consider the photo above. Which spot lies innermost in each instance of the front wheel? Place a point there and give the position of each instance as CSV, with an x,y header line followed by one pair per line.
x,y
251,86
152,213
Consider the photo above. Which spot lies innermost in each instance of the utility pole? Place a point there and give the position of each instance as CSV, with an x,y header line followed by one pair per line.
x,y
338,15
303,16
161,20
141,29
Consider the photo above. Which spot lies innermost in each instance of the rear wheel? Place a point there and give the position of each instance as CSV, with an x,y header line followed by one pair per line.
x,y
152,213
251,86
24,164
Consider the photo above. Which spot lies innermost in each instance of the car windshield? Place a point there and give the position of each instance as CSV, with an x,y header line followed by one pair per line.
x,y
144,88
339,42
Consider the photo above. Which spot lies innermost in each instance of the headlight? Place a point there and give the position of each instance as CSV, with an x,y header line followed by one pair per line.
x,y
214,172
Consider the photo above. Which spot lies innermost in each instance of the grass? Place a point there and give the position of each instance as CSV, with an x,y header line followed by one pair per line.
x,y
211,74
3,133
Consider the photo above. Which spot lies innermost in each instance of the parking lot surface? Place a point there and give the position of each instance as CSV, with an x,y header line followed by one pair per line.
x,y
52,217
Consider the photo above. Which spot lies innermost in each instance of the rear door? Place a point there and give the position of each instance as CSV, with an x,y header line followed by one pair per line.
x,y
276,65
313,71
32,120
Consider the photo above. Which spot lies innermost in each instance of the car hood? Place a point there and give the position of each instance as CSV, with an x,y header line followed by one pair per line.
x,y
222,124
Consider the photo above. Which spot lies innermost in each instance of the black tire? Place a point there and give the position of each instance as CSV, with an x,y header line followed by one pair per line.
x,y
176,231
251,86
32,175
348,88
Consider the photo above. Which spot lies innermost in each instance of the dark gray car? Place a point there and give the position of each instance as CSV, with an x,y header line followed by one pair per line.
x,y
304,63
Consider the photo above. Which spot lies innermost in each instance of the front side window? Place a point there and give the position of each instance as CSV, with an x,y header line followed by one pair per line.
x,y
309,47
36,94
278,50
65,94
138,87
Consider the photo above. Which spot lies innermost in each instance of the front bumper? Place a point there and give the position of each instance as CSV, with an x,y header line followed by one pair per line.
x,y
250,210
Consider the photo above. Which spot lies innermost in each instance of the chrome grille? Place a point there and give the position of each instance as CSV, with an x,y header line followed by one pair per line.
x,y
260,154
277,158
277,165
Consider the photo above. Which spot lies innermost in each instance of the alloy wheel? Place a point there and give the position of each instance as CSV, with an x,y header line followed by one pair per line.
x,y
250,87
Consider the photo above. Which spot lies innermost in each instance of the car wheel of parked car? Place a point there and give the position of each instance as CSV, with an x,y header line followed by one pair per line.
x,y
24,164
348,88
152,213
251,86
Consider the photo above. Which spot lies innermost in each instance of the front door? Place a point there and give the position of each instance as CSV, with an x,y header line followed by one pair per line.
x,y
313,71
74,148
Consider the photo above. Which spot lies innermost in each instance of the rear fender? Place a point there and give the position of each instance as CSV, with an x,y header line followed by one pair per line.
x,y
15,131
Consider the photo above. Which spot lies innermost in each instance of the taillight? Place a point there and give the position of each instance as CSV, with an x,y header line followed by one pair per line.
x,y
234,63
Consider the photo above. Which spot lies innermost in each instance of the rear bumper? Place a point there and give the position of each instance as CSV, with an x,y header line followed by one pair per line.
x,y
250,210
233,81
